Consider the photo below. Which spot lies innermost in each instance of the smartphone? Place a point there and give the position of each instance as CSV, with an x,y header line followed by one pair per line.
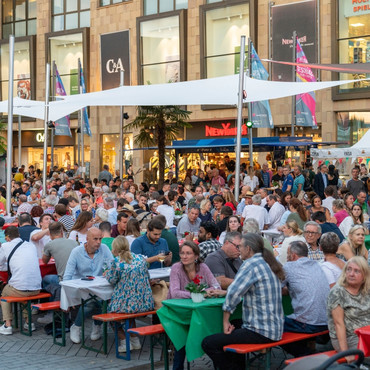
x,y
88,278
167,253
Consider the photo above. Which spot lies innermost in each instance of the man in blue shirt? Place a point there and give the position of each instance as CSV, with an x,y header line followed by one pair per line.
x,y
152,245
87,260
298,181
288,180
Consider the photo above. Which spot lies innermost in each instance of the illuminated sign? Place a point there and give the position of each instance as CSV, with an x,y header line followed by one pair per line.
x,y
226,130
40,137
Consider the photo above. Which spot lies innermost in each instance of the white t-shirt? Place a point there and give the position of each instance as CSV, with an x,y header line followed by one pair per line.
x,y
283,250
40,244
81,237
332,272
259,213
275,214
130,239
252,182
168,212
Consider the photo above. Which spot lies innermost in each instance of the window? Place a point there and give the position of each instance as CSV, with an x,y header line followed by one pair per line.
x,y
65,50
162,46
352,126
23,69
222,29
353,42
111,2
160,6
70,14
19,17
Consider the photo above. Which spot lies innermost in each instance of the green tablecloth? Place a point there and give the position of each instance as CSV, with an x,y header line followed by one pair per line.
x,y
188,323
367,242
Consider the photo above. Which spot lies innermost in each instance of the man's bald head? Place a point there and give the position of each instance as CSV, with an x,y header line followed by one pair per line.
x,y
93,240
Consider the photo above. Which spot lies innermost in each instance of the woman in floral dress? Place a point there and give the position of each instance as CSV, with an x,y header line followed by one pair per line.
x,y
129,275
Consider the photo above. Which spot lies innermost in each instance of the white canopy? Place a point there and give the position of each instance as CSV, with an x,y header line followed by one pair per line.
x,y
212,91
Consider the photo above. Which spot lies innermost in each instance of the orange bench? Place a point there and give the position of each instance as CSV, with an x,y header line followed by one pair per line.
x,y
287,338
117,318
327,353
24,303
57,313
150,331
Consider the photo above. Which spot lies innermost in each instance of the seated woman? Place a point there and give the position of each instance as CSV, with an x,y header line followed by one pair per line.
x,y
332,265
349,305
79,230
317,206
355,217
129,275
292,233
258,285
182,273
205,208
355,243
233,224
298,213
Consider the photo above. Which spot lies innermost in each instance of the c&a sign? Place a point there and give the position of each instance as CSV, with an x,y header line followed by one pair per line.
x,y
115,57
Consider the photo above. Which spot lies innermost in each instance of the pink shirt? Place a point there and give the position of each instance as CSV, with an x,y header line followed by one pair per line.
x,y
218,180
340,216
179,280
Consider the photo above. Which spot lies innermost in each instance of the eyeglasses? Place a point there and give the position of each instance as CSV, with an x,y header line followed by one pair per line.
x,y
310,232
186,254
237,246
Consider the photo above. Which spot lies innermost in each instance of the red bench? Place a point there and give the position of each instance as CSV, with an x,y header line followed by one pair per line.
x,y
287,338
24,303
117,318
327,353
150,331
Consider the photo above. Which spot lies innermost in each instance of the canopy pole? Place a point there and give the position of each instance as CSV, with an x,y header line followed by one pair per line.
x,y
19,139
240,118
52,131
46,119
121,153
293,80
82,127
250,116
10,126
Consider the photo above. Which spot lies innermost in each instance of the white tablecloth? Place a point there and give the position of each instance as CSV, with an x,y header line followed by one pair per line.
x,y
74,290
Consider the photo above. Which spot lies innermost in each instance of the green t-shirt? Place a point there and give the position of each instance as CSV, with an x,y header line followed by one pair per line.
x,y
108,242
173,244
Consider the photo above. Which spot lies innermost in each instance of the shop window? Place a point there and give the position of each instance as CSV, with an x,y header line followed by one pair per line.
x,y
352,126
70,14
110,151
19,17
161,49
160,6
65,50
23,67
353,42
111,2
223,26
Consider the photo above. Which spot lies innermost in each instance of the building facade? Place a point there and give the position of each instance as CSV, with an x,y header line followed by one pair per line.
x,y
163,41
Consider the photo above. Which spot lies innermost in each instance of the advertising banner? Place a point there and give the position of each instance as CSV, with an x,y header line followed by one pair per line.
x,y
299,17
115,56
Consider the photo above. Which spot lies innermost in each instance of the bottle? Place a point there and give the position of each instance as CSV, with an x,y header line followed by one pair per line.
x,y
77,238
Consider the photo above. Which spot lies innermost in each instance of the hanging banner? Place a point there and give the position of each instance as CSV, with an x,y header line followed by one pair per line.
x,y
305,103
84,117
287,18
62,125
261,112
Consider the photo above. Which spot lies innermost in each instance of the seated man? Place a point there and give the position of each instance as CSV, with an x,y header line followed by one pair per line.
x,y
207,238
225,262
189,223
120,227
326,227
26,226
306,283
312,234
25,277
105,227
151,245
256,211
87,260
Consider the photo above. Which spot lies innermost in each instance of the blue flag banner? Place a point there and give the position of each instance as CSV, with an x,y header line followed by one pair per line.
x,y
261,112
63,125
84,117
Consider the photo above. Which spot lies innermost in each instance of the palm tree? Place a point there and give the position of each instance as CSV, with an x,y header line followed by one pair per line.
x,y
158,126
3,127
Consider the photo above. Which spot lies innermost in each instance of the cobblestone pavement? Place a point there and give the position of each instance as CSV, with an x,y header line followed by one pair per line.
x,y
18,351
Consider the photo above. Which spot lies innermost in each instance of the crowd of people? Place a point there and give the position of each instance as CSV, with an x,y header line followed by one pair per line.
x,y
294,231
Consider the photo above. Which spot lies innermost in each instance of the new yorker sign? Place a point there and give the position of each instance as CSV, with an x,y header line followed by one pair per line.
x,y
115,57
214,129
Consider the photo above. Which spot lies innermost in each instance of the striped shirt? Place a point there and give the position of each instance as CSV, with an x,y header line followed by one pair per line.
x,y
207,247
260,290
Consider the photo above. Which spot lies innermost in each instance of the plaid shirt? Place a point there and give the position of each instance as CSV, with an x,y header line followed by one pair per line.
x,y
316,254
207,247
260,290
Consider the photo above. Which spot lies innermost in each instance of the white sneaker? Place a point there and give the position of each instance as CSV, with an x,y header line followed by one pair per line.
x,y
33,327
135,343
6,330
122,346
95,332
75,333
47,319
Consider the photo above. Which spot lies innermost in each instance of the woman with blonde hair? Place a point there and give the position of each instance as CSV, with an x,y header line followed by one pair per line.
x,y
292,233
355,217
128,273
205,210
355,243
229,199
348,305
250,179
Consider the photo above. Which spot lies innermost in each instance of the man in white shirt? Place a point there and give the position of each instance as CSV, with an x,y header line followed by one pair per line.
x,y
23,206
39,238
112,212
276,211
329,199
256,211
263,194
25,277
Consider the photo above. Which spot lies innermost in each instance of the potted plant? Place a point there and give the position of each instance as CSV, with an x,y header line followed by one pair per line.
x,y
197,289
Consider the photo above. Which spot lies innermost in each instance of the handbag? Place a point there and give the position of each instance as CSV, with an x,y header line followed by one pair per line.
x,y
160,293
